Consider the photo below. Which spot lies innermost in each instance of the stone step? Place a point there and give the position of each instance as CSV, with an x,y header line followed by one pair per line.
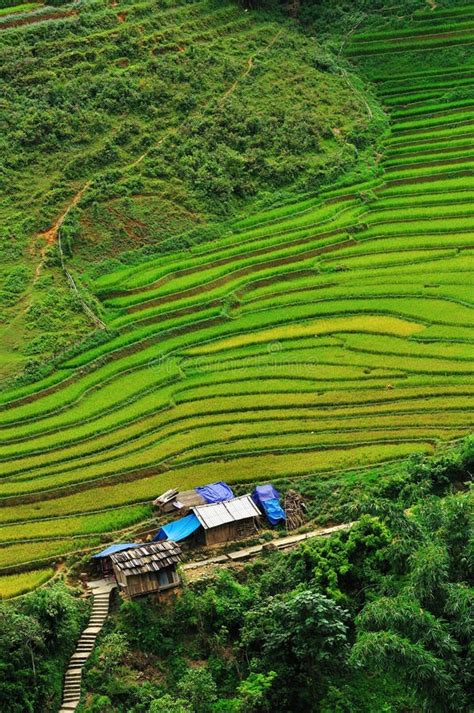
x,y
84,648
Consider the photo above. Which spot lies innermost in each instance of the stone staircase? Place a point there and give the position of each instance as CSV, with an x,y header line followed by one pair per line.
x,y
100,608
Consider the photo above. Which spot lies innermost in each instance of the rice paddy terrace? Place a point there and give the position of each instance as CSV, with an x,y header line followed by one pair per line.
x,y
326,334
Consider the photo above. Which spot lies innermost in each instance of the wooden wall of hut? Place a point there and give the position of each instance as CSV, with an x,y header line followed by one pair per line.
x,y
230,531
148,582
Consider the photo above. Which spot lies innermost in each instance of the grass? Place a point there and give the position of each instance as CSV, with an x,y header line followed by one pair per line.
x,y
26,552
24,7
89,524
12,585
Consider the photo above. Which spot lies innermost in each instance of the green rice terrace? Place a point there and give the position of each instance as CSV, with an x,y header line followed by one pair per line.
x,y
253,300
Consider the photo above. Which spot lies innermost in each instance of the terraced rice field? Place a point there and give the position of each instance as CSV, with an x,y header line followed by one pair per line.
x,y
327,334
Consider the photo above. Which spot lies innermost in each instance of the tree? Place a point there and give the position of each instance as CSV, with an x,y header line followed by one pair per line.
x,y
426,675
56,611
422,635
253,691
169,704
198,688
303,638
21,640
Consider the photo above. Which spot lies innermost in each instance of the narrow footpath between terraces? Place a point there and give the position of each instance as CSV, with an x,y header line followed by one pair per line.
x,y
102,588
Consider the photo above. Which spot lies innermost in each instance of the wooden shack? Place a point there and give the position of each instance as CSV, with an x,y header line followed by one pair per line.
x,y
103,560
183,501
227,521
147,569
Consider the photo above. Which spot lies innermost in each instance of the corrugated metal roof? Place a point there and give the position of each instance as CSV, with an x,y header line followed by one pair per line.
x,y
151,557
216,514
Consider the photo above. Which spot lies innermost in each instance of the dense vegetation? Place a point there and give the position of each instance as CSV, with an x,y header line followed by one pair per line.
x,y
146,111
376,619
37,637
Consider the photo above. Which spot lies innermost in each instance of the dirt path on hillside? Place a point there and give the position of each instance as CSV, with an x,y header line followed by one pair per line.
x,y
250,64
50,236
197,569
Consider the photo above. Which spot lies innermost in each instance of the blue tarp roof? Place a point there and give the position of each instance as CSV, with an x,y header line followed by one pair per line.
x,y
215,492
179,529
116,548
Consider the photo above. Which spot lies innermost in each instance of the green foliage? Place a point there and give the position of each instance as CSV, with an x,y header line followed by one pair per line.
x,y
170,704
303,638
198,688
37,636
14,284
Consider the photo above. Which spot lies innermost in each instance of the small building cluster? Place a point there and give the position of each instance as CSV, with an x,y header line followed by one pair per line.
x,y
212,516
214,523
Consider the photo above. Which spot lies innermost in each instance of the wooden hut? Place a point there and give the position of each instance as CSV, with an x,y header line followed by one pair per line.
x,y
227,521
186,500
182,501
103,560
147,569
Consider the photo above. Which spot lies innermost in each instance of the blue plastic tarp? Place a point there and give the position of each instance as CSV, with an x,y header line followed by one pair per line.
x,y
179,529
264,492
274,511
116,548
215,492
267,498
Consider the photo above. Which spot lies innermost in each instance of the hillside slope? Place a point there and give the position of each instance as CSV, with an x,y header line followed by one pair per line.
x,y
158,116
318,335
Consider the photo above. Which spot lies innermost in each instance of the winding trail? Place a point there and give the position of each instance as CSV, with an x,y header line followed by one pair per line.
x,y
50,236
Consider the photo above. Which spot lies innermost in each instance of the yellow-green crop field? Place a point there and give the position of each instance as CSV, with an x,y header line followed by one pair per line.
x,y
326,334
